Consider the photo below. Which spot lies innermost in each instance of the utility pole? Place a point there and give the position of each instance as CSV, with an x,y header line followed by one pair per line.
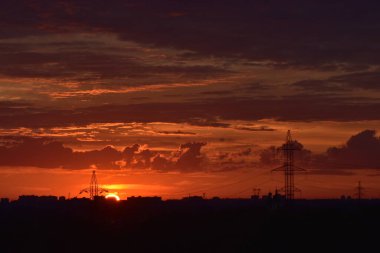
x,y
288,167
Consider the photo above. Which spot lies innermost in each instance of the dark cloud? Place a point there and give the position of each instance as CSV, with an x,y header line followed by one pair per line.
x,y
230,166
84,65
273,156
256,129
178,132
188,159
332,172
230,161
210,112
136,157
204,120
320,86
160,163
298,33
191,158
269,156
48,153
347,82
362,80
130,152
271,34
216,92
254,87
146,156
9,109
186,35
361,151
232,155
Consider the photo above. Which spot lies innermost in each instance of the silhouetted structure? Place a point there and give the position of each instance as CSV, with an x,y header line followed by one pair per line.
x,y
288,166
143,199
32,199
149,224
94,190
359,190
193,198
4,201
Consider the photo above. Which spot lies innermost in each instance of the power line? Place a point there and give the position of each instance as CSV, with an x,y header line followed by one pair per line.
x,y
211,188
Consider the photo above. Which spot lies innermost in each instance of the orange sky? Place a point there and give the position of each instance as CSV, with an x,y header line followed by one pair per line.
x,y
171,105
15,182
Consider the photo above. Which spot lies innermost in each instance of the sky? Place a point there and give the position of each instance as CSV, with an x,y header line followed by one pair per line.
x,y
178,97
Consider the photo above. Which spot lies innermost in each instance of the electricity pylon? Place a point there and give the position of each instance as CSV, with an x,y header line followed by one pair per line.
x,y
359,190
288,167
94,190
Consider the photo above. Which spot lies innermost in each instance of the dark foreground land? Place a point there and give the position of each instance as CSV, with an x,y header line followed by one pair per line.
x,y
191,225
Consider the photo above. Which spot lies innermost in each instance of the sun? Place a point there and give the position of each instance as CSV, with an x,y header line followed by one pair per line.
x,y
112,196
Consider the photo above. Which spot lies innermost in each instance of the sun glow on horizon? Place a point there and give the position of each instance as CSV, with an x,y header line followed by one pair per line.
x,y
113,196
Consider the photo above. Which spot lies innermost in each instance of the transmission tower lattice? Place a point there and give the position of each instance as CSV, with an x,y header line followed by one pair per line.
x,y
288,167
94,190
359,190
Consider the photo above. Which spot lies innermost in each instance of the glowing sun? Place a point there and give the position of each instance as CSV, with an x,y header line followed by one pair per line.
x,y
113,196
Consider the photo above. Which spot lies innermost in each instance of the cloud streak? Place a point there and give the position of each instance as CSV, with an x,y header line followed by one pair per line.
x,y
199,112
255,30
348,82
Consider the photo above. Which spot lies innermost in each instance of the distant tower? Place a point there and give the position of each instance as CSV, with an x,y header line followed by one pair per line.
x,y
94,187
359,190
94,190
288,167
